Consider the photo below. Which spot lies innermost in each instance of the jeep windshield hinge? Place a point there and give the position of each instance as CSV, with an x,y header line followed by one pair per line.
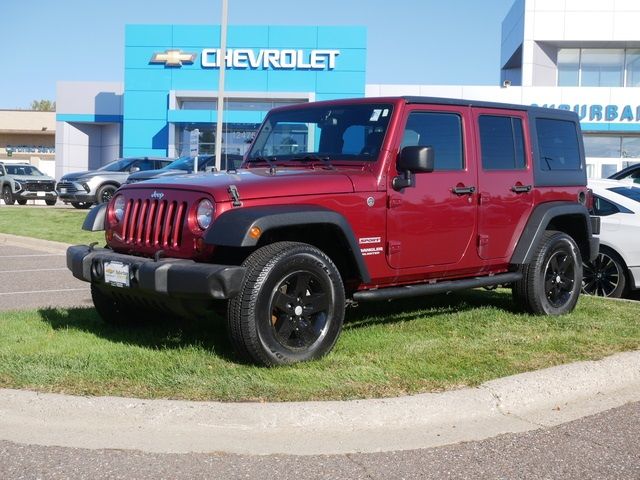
x,y
235,196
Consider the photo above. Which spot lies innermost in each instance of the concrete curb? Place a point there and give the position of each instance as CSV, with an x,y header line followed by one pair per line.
x,y
514,404
47,246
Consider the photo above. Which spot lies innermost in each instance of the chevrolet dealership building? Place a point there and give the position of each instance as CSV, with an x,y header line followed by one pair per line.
x,y
580,55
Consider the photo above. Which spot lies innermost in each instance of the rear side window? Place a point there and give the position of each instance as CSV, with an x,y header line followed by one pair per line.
x,y
442,131
603,208
502,142
558,144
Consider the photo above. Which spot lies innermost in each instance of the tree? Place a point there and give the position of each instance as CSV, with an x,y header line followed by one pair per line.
x,y
43,105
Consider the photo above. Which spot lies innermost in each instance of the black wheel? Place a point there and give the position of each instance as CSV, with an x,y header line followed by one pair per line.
x,y
7,196
291,306
110,310
605,276
81,205
51,203
105,193
21,201
551,282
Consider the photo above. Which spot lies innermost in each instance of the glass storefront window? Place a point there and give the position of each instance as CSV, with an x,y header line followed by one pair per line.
x,y
608,169
602,67
198,105
568,67
633,68
630,147
602,146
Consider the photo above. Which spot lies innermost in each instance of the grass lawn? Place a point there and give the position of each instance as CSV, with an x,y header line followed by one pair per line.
x,y
386,349
48,223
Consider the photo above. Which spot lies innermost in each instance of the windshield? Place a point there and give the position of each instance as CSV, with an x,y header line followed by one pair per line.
x,y
118,165
338,132
186,163
26,170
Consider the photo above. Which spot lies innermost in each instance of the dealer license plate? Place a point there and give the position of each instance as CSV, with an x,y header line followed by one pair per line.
x,y
116,274
41,194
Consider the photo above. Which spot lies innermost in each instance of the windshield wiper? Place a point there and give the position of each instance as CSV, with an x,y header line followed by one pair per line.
x,y
259,158
311,157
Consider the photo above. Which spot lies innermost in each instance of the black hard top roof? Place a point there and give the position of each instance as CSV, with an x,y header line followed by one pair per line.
x,y
478,103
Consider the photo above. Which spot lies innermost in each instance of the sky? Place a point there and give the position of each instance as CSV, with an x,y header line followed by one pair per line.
x,y
438,42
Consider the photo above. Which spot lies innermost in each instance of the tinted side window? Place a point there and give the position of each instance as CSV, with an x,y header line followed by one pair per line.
x,y
143,165
558,144
442,131
602,207
502,142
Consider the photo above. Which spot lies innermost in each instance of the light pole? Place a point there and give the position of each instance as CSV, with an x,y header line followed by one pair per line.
x,y
223,66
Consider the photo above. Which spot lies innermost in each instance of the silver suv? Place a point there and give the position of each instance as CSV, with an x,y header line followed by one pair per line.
x,y
83,189
20,182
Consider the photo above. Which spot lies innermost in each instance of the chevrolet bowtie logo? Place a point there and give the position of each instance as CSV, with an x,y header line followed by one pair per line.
x,y
173,58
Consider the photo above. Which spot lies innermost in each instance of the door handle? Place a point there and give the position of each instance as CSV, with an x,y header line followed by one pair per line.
x,y
521,188
463,190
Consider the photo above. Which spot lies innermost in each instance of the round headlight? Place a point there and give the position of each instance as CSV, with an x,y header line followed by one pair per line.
x,y
118,207
204,214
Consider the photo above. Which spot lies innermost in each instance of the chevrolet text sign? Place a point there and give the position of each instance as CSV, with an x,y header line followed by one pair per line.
x,y
271,58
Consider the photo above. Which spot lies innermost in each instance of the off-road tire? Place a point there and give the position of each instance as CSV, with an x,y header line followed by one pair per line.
x,y
606,276
290,308
81,205
115,312
7,195
105,193
551,282
21,201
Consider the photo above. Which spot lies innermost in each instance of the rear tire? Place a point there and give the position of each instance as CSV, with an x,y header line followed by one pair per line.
x,y
22,201
605,276
291,306
7,195
105,193
51,203
550,284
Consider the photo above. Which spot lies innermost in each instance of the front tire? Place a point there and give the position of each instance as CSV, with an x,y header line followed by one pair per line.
x,y
51,203
22,201
7,196
605,276
550,284
81,205
291,306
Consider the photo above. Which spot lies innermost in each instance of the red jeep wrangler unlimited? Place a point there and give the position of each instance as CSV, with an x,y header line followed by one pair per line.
x,y
352,201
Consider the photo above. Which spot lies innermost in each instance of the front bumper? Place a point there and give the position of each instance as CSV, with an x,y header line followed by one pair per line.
x,y
167,277
77,197
28,195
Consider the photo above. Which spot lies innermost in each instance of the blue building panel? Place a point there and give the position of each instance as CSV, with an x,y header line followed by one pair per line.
x,y
326,62
148,35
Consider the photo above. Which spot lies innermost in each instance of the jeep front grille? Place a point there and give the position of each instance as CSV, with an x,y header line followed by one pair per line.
x,y
154,223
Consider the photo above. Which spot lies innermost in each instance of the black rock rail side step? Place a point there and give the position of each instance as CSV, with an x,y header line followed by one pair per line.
x,y
406,291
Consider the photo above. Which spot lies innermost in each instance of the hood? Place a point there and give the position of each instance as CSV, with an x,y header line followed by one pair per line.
x,y
255,183
86,175
147,174
32,178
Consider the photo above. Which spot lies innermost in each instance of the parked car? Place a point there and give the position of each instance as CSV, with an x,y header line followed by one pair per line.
x,y
616,269
632,173
182,165
83,189
20,182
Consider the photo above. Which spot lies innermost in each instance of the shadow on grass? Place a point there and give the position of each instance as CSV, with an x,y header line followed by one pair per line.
x,y
162,334
210,332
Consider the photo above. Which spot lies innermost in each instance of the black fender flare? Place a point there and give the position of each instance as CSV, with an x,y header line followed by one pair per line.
x,y
95,219
231,229
538,222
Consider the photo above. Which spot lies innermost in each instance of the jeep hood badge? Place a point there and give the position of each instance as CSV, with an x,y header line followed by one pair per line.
x,y
157,195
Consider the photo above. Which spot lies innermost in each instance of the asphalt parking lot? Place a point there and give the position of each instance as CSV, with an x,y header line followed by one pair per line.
x,y
38,278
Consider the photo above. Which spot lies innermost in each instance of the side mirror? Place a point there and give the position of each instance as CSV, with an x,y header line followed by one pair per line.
x,y
416,159
411,160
